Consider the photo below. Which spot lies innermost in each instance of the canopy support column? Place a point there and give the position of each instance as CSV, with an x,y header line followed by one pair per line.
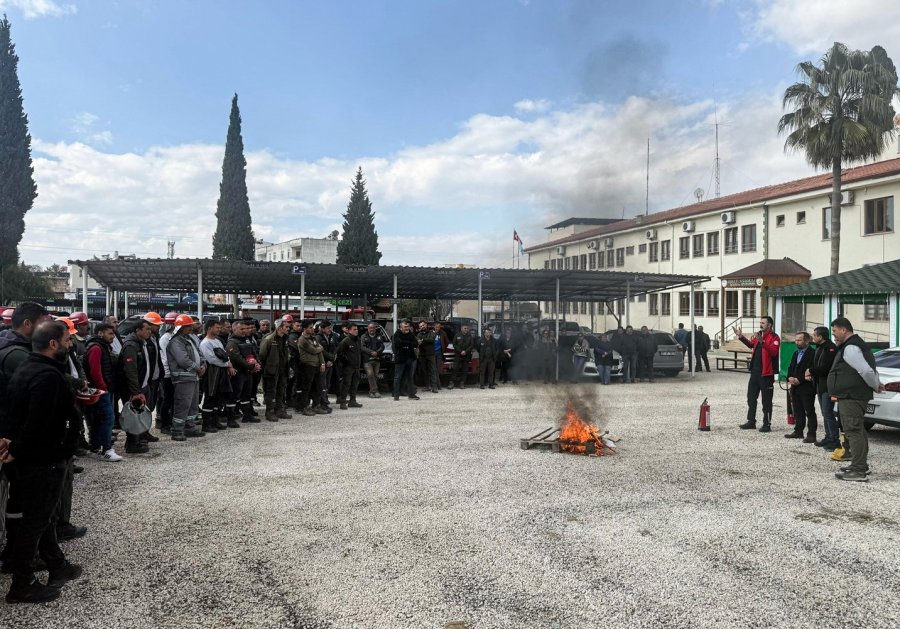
x,y
115,304
200,292
693,353
480,304
779,313
125,307
394,305
628,302
303,296
893,319
272,310
84,285
557,329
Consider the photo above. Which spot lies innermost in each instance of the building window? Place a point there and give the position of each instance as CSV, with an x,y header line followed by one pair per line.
x,y
584,307
665,307
592,261
600,260
826,223
653,252
553,264
698,245
567,263
801,218
748,238
749,309
712,304
546,264
684,247
712,243
574,263
879,216
620,306
876,312
629,251
610,259
620,256
731,240
684,304
779,220
731,304
665,248
653,304
642,298
609,308
698,303
642,248
583,261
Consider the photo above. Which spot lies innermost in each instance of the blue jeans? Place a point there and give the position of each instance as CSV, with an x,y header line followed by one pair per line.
x,y
604,373
832,432
102,418
404,374
629,367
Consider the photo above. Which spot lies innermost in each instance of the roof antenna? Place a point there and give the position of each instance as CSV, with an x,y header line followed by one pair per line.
x,y
647,199
718,161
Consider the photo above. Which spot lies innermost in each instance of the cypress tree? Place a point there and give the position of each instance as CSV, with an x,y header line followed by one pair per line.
x,y
233,239
17,187
360,242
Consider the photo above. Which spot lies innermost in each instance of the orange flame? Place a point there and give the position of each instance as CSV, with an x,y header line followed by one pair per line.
x,y
576,433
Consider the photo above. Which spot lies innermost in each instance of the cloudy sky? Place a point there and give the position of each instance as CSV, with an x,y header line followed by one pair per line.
x,y
470,118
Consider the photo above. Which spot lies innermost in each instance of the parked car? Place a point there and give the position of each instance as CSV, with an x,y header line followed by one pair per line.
x,y
386,368
565,327
589,370
884,408
445,368
669,357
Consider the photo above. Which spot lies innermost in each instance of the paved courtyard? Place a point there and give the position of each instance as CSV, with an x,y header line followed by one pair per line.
x,y
428,514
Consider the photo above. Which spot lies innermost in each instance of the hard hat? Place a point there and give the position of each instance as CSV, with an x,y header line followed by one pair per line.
x,y
89,396
68,323
170,317
79,318
7,315
287,318
183,320
153,318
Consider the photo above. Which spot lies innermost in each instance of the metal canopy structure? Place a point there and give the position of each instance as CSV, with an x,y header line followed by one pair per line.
x,y
339,280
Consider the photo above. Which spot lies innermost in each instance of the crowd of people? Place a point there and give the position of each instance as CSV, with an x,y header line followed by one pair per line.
x,y
66,390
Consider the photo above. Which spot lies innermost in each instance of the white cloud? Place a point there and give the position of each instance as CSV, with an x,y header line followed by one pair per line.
x,y
811,26
456,200
532,106
84,125
32,9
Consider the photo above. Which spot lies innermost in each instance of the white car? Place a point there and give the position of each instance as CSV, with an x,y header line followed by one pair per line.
x,y
885,407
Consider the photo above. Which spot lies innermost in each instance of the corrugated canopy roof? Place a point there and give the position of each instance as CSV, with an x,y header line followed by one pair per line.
x,y
338,280
874,279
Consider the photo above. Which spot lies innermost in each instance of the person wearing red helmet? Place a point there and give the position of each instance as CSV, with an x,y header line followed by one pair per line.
x,y
186,367
6,319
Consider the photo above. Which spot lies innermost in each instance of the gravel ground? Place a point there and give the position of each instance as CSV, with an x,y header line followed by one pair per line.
x,y
428,514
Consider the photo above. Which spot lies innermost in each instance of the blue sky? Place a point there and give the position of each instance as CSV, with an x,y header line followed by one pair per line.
x,y
468,118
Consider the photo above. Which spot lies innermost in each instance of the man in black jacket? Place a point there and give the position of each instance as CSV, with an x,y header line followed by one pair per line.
x,y
628,348
329,342
348,360
427,364
488,351
647,347
803,390
821,365
404,344
42,438
137,371
463,345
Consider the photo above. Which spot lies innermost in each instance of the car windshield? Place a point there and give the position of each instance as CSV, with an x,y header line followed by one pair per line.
x,y
889,359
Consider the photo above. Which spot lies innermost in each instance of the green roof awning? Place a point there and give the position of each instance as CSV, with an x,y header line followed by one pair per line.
x,y
876,279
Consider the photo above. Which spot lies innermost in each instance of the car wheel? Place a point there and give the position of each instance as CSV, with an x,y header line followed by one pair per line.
x,y
671,373
869,425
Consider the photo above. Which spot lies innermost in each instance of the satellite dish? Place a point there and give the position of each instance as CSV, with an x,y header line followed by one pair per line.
x,y
698,193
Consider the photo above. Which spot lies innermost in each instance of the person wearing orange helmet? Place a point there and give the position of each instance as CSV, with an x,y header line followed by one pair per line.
x,y
82,331
156,369
186,367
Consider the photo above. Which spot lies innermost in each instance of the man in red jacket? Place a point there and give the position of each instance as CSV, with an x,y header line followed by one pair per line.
x,y
763,367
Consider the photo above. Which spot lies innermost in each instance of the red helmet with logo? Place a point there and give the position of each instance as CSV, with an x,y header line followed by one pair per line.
x,y
7,315
170,317
287,318
79,318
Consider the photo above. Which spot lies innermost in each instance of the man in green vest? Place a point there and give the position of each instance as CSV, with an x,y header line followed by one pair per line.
x,y
853,381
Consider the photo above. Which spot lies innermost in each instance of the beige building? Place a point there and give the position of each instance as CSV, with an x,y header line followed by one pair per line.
x,y
722,237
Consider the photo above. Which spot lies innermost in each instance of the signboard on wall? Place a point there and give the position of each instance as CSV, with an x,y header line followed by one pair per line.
x,y
743,282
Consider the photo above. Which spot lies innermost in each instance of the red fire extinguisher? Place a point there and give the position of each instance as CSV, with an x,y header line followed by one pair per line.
x,y
790,408
705,416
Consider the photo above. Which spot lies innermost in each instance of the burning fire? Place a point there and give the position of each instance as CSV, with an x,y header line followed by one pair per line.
x,y
576,434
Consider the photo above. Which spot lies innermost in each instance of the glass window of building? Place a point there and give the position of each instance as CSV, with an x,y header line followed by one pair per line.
x,y
653,303
620,256
748,238
684,247
698,245
826,223
879,216
731,240
653,252
665,250
712,243
749,306
712,303
665,304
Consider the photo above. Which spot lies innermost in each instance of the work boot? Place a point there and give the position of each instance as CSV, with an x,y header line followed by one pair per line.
x,y
249,414
270,414
846,468
354,404
297,402
68,531
794,435
318,410
750,424
60,576
810,438
210,425
281,413
133,445
231,414
767,422
856,477
343,406
191,430
178,430
33,592
149,437
308,412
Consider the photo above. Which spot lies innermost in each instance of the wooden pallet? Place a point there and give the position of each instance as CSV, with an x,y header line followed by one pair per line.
x,y
549,437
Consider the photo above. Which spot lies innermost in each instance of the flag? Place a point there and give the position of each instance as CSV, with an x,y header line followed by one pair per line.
x,y
521,248
516,237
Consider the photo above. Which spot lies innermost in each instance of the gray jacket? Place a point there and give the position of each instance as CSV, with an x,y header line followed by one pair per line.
x,y
184,357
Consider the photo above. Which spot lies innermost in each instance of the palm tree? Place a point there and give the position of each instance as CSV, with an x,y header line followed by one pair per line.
x,y
842,112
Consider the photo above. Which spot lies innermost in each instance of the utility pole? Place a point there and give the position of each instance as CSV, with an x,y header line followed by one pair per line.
x,y
647,200
718,161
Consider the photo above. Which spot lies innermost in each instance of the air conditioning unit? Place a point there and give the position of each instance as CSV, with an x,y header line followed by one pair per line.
x,y
592,244
846,197
728,217
650,234
608,243
688,226
561,250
